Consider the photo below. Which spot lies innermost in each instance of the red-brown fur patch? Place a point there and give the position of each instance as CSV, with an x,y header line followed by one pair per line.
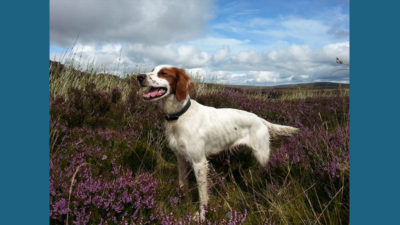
x,y
181,84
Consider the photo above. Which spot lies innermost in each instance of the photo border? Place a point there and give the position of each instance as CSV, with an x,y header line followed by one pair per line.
x,y
374,112
25,113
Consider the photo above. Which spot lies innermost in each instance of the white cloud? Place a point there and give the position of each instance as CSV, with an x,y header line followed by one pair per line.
x,y
340,50
184,55
128,21
242,48
192,57
221,55
293,64
267,76
250,57
197,73
226,77
304,76
210,43
292,53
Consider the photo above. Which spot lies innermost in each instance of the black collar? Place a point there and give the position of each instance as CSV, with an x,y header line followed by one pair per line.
x,y
176,116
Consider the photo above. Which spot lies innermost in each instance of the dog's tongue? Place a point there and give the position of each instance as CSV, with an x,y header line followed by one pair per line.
x,y
154,92
146,95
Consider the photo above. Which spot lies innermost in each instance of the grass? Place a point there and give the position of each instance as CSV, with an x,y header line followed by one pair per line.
x,y
130,175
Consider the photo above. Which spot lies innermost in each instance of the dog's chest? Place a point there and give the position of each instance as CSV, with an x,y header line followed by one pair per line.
x,y
174,136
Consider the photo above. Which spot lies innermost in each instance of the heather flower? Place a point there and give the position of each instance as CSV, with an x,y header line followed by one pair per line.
x,y
121,140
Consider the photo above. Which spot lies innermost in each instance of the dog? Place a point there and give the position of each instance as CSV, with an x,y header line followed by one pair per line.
x,y
195,131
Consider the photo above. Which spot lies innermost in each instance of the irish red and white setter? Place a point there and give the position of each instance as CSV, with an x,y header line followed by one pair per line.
x,y
195,131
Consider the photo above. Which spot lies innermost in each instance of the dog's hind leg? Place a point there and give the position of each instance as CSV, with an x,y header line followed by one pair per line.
x,y
259,142
262,155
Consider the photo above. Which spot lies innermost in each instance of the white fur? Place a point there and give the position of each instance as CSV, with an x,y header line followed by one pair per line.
x,y
202,131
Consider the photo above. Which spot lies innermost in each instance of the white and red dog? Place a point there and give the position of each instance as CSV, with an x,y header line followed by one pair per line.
x,y
195,131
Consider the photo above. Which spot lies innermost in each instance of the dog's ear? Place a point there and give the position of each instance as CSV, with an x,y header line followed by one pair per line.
x,y
184,84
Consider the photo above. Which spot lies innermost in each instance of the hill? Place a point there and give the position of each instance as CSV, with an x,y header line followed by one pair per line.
x,y
56,67
300,85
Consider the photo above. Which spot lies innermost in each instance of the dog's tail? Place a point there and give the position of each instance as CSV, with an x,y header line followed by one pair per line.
x,y
276,130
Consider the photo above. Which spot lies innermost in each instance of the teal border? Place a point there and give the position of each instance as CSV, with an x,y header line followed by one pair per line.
x,y
24,95
374,112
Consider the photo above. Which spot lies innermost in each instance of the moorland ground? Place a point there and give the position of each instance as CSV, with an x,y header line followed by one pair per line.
x,y
110,164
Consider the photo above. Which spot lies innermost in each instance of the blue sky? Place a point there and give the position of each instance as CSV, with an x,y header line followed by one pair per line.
x,y
236,42
267,22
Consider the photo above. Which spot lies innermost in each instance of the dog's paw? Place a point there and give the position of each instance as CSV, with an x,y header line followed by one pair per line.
x,y
199,216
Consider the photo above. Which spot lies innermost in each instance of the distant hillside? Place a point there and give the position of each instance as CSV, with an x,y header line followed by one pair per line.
x,y
56,67
312,85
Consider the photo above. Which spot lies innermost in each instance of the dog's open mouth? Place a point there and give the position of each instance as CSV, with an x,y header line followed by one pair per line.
x,y
154,92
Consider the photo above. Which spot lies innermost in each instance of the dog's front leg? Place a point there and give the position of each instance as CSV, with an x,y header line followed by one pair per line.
x,y
200,170
183,170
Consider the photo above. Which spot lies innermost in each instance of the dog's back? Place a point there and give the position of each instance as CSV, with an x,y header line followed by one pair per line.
x,y
215,130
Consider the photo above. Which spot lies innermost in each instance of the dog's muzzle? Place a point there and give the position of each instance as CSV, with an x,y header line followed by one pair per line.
x,y
141,78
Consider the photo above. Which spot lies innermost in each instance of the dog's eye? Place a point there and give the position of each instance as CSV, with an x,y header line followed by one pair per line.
x,y
163,73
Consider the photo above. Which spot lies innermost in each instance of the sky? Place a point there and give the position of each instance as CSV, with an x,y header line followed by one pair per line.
x,y
268,42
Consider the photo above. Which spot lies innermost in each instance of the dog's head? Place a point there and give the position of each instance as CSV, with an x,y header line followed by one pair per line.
x,y
165,80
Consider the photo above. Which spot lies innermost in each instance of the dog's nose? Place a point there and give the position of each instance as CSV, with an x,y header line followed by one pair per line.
x,y
141,77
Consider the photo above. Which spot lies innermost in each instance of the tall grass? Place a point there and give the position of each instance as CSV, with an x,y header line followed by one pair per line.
x,y
64,78
130,174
